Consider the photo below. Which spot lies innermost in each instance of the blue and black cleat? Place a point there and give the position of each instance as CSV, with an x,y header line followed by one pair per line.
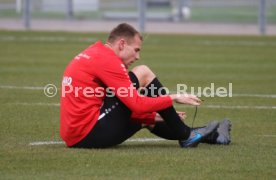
x,y
198,134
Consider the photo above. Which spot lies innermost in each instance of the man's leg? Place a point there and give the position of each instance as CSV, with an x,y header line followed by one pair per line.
x,y
148,79
173,128
220,136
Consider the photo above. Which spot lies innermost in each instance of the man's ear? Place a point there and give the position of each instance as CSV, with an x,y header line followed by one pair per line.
x,y
121,44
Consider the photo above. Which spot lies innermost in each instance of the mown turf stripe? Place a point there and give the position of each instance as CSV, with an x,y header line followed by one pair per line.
x,y
204,106
268,135
11,38
41,143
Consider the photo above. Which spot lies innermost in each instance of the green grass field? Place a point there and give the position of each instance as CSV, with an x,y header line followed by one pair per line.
x,y
30,60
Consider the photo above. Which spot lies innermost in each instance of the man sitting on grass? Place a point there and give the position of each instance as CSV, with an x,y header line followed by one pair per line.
x,y
101,106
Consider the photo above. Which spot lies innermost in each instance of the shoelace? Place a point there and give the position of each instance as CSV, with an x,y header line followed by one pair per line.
x,y
195,115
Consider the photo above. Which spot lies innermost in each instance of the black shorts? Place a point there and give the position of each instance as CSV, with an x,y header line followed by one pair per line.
x,y
114,125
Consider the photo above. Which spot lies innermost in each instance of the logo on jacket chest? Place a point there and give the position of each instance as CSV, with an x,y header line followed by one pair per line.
x,y
67,80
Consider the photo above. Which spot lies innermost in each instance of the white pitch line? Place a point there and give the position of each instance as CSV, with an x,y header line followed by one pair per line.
x,y
41,88
40,143
46,39
22,87
256,95
267,135
230,107
205,106
237,107
36,104
145,140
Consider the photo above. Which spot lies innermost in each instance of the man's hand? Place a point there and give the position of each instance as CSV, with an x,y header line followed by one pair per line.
x,y
186,99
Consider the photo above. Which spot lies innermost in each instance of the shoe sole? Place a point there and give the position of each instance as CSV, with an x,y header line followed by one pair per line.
x,y
224,130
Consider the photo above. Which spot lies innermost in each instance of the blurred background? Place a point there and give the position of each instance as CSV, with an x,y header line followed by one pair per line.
x,y
179,16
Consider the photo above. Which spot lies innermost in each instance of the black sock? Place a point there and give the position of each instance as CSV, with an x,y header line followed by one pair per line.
x,y
162,130
169,114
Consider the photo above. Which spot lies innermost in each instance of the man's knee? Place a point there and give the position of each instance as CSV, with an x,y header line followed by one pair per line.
x,y
144,74
142,68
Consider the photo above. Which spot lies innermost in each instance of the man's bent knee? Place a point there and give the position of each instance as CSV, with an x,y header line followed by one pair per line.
x,y
144,74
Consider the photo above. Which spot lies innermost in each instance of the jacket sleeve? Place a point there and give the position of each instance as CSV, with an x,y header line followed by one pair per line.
x,y
114,75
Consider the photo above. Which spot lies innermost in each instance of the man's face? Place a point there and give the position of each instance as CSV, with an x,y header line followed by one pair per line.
x,y
130,51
